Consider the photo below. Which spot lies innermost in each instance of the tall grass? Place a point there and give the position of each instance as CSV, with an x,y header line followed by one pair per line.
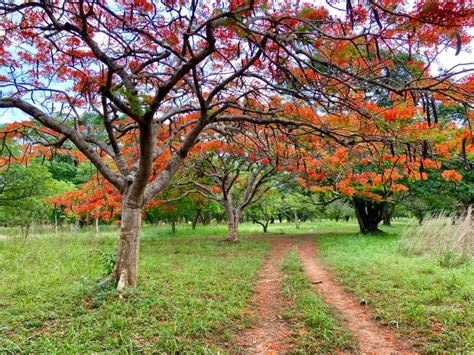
x,y
450,238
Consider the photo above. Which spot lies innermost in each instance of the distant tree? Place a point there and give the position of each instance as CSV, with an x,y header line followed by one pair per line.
x,y
23,190
265,210
339,209
298,207
235,182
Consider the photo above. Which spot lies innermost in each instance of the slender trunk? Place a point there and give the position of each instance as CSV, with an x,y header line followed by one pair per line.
x,y
196,219
97,226
27,230
126,266
173,226
297,220
233,218
55,222
265,227
369,214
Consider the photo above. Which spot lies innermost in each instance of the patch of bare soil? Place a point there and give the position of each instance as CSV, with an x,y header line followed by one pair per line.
x,y
270,333
373,338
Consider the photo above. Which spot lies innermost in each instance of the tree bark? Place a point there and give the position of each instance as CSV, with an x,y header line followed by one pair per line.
x,y
196,219
369,214
126,266
388,212
233,218
56,222
173,226
297,220
97,226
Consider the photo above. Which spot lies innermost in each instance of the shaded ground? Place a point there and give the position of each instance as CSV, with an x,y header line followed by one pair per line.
x,y
270,334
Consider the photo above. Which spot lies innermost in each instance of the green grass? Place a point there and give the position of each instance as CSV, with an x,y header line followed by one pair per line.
x,y
191,295
315,329
423,300
193,291
212,230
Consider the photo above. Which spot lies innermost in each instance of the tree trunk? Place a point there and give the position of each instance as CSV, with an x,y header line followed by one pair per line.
x,y
297,220
233,218
265,228
420,217
126,266
369,214
56,222
173,226
196,219
388,212
97,226
27,230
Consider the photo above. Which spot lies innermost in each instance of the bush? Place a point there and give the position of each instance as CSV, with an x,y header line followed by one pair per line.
x,y
450,238
108,262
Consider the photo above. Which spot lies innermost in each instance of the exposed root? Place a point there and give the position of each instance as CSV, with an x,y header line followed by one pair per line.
x,y
122,281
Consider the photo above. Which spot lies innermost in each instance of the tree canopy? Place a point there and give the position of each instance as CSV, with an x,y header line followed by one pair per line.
x,y
132,87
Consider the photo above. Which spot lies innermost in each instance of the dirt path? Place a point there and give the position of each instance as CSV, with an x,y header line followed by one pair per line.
x,y
270,334
372,338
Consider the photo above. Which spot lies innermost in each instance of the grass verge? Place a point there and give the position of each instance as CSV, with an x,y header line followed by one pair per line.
x,y
428,303
314,328
190,298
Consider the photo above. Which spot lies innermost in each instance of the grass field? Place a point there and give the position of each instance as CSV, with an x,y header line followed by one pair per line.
x,y
191,296
194,291
429,303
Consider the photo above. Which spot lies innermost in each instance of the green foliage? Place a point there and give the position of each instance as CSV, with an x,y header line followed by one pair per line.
x,y
65,168
436,194
315,328
339,209
298,206
184,208
22,194
267,209
108,261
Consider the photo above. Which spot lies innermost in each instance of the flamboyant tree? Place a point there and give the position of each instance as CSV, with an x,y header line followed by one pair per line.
x,y
133,84
95,199
235,170
375,174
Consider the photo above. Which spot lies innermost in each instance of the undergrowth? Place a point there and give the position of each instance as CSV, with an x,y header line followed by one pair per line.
x,y
448,238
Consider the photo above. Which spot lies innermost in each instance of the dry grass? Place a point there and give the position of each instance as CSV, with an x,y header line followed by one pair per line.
x,y
451,238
